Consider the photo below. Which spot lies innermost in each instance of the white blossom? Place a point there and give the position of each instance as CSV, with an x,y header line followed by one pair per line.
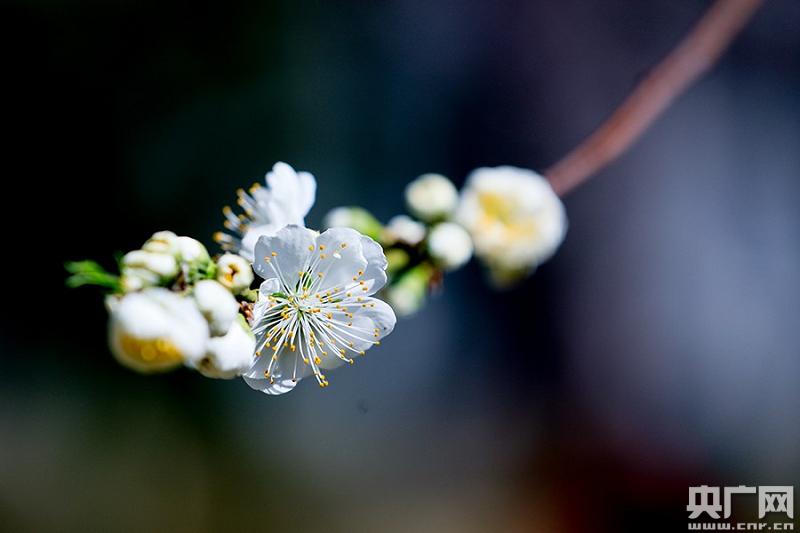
x,y
450,245
406,229
431,197
315,309
227,356
286,199
217,305
515,219
234,272
156,330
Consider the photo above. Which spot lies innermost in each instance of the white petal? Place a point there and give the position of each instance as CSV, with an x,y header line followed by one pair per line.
x,y
375,273
343,258
291,248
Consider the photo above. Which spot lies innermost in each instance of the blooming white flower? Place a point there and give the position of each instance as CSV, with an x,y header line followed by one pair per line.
x,y
141,269
450,245
227,356
515,219
156,330
431,197
406,229
234,272
286,199
315,310
217,305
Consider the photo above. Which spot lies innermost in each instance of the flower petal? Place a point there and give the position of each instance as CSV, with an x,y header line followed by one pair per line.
x,y
283,255
338,257
374,276
367,327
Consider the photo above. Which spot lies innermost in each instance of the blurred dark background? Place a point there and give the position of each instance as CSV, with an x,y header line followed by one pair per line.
x,y
659,349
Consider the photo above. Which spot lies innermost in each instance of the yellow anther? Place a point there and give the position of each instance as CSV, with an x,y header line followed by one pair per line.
x,y
268,345
376,330
274,348
322,256
361,282
292,347
372,305
363,305
300,273
341,352
351,345
329,316
377,343
344,245
344,309
258,353
294,380
274,357
291,334
364,288
321,384
266,259
317,360
226,210
266,374
321,246
349,323
355,278
349,294
360,272
273,254
359,298
361,352
310,248
351,361
285,344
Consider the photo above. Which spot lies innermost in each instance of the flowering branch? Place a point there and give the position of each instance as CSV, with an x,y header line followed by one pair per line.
x,y
699,50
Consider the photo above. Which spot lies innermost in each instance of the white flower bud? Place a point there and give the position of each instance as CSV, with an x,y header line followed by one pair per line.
x,y
450,245
162,242
406,229
156,330
431,197
227,356
161,264
235,272
217,305
183,249
191,251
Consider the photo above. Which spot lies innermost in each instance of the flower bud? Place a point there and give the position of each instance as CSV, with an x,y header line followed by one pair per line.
x,y
407,294
217,305
234,272
156,330
357,218
431,197
142,269
406,229
227,356
162,242
192,252
450,245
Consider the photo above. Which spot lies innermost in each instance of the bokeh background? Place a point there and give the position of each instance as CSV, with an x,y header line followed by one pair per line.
x,y
659,349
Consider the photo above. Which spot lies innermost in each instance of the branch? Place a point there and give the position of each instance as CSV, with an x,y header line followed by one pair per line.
x,y
699,50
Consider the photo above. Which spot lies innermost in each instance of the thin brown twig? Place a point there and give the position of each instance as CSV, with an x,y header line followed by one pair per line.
x,y
698,51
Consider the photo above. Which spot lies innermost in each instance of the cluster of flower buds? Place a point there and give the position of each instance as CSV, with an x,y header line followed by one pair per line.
x,y
508,218
172,305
